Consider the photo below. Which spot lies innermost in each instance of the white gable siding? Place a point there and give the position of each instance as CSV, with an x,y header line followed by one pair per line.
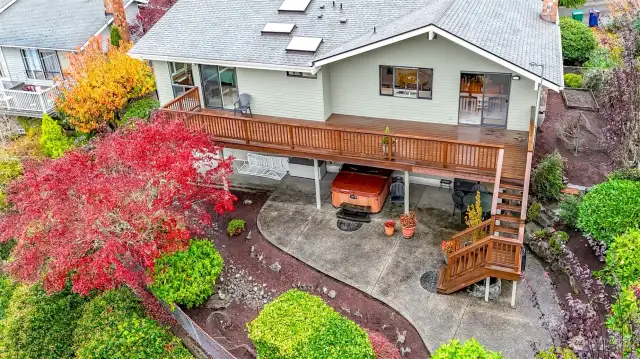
x,y
326,91
355,83
163,81
273,93
14,63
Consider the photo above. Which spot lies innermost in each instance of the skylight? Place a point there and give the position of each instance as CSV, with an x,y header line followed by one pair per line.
x,y
308,44
278,28
294,5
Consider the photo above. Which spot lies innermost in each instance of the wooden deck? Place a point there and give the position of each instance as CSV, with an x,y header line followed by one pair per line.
x,y
445,150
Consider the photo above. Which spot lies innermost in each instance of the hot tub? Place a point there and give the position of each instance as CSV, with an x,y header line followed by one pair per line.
x,y
361,186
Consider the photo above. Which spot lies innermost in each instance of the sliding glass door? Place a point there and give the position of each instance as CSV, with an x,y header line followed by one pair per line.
x,y
484,99
219,86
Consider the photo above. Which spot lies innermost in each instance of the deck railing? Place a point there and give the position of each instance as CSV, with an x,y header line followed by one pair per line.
x,y
325,139
28,101
493,251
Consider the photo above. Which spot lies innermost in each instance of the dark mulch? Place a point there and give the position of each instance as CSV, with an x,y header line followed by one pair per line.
x,y
372,314
592,163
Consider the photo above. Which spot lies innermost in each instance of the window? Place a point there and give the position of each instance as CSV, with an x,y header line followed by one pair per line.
x,y
41,64
181,77
409,82
219,86
301,74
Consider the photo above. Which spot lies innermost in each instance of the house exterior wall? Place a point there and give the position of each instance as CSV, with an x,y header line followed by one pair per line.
x,y
163,81
13,59
273,93
355,83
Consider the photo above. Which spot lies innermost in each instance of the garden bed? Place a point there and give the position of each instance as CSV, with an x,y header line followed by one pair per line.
x,y
580,98
250,277
592,162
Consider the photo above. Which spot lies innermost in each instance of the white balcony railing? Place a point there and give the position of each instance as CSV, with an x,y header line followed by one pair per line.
x,y
36,103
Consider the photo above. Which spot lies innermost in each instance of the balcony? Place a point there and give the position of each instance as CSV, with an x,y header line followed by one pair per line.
x,y
27,100
470,152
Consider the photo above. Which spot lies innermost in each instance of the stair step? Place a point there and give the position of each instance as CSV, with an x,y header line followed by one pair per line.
x,y
506,229
514,197
509,207
505,218
517,187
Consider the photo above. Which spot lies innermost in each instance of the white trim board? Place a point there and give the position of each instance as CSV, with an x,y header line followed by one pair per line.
x,y
247,65
429,29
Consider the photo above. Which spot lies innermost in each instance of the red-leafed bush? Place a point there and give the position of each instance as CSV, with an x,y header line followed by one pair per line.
x,y
382,346
101,215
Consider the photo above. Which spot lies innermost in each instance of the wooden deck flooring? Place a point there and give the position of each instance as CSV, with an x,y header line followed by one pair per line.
x,y
514,142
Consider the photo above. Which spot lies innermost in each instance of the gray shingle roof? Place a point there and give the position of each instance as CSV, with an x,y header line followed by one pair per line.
x,y
52,24
221,30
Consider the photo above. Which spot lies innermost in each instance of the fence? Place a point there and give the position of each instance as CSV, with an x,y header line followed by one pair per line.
x,y
206,342
37,102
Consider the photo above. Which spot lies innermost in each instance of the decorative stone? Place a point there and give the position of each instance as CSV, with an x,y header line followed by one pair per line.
x,y
215,302
247,201
477,289
404,351
248,237
253,250
332,294
400,337
324,290
276,267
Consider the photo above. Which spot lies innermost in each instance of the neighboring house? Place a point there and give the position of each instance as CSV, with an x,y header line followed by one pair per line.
x,y
456,82
35,36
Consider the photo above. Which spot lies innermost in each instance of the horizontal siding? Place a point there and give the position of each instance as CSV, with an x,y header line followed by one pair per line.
x,y
14,63
273,93
163,81
355,83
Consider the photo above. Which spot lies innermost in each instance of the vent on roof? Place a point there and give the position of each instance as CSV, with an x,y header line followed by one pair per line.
x,y
294,5
306,44
278,28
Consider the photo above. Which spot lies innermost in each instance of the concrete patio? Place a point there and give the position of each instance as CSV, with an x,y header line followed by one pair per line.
x,y
390,269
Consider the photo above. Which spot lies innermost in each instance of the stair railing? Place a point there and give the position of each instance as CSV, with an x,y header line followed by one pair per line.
x,y
489,251
466,237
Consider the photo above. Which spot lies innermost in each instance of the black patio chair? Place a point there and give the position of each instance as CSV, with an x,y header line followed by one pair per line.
x,y
243,105
458,203
397,190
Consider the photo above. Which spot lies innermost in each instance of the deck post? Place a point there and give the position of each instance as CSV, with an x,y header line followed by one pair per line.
x,y
486,288
406,192
513,294
316,175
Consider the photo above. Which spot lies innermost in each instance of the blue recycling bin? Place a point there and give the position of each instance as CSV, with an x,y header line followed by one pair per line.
x,y
594,16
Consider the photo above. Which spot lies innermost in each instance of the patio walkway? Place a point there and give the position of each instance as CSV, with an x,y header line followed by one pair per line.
x,y
390,269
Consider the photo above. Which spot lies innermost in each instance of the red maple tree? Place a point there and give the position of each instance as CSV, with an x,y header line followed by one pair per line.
x,y
101,215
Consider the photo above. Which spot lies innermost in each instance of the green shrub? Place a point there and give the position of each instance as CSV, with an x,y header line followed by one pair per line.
x,y
103,313
37,325
533,211
577,41
610,209
471,349
569,207
28,123
557,240
593,79
52,140
235,227
10,169
601,59
573,80
631,174
136,337
140,109
556,353
572,3
7,287
622,260
624,319
5,249
116,37
546,178
301,326
187,277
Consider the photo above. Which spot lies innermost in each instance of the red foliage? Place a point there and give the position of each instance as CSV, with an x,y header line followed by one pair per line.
x,y
101,215
148,15
382,346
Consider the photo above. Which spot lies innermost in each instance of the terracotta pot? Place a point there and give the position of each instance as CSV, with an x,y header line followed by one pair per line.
x,y
408,232
389,230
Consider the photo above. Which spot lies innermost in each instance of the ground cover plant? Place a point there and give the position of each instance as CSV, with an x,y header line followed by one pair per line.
x,y
454,349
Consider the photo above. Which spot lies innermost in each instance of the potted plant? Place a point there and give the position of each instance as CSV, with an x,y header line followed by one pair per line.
x,y
447,248
389,227
408,223
385,142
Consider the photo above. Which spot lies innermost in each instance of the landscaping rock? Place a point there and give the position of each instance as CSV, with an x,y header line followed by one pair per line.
x,y
239,286
248,237
332,294
400,337
404,351
215,322
247,201
243,351
477,289
217,302
324,290
275,267
253,251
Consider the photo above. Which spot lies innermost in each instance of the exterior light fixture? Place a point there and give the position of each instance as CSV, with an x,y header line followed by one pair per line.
x,y
515,77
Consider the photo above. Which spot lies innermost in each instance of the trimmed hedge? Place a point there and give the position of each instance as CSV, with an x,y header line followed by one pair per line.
x,y
301,326
187,277
623,260
52,140
573,80
471,349
37,325
577,41
610,209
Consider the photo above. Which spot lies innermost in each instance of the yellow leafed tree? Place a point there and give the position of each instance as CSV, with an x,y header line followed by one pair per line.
x,y
97,84
474,218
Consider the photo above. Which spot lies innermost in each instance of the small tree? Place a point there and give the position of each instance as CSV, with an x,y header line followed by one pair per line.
x,y
101,216
115,36
98,85
474,218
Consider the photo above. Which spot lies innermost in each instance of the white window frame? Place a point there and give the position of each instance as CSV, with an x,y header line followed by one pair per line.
x,y
38,63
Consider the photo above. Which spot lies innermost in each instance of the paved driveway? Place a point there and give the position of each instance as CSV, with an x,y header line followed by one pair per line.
x,y
390,269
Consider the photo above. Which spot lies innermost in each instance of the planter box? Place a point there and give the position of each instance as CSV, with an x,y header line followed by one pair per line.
x,y
303,167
